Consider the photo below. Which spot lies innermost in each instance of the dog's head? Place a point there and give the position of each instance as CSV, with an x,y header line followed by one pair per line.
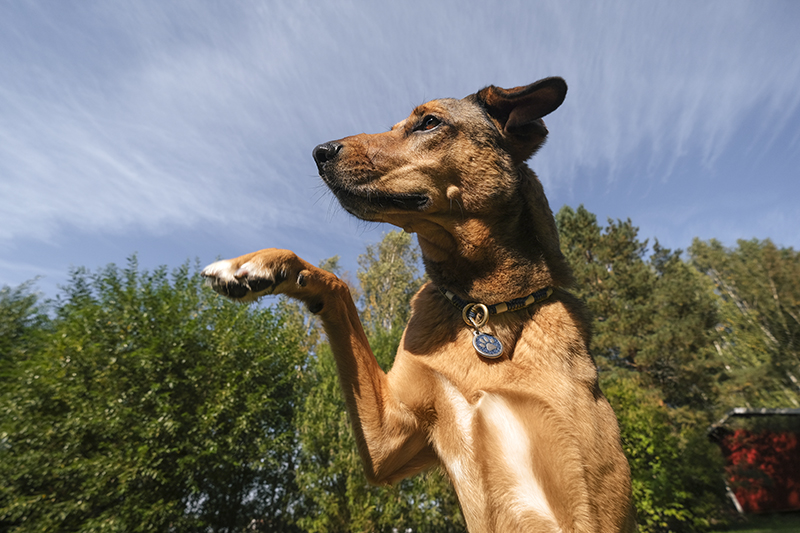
x,y
448,157
454,172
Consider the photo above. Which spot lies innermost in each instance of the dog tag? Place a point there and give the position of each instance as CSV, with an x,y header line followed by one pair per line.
x,y
486,345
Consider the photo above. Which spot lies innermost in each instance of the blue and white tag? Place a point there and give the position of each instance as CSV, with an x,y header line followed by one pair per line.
x,y
487,345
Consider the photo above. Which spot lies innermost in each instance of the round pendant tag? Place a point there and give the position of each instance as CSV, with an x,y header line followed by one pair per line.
x,y
487,346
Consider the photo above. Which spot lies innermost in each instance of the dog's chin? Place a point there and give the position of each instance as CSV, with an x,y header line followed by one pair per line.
x,y
369,205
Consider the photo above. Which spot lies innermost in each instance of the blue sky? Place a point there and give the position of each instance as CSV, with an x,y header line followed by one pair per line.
x,y
183,130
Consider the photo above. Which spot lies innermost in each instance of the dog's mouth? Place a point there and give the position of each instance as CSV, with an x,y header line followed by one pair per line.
x,y
366,202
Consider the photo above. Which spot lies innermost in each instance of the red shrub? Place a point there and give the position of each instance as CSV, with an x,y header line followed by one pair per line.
x,y
763,469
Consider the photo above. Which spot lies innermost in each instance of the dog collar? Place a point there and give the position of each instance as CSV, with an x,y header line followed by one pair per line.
x,y
475,315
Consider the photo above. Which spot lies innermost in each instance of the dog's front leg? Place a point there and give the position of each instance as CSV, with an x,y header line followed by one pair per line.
x,y
391,442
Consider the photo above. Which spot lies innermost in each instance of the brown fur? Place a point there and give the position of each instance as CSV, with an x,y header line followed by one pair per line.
x,y
528,439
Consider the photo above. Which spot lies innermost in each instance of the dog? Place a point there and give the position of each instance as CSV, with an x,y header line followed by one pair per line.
x,y
493,378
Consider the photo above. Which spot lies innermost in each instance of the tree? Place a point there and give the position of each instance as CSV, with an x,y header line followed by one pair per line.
x,y
758,335
141,401
654,315
679,355
388,276
151,405
614,281
23,320
675,470
23,323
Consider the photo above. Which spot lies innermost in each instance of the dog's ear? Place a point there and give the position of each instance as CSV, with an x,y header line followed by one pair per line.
x,y
518,112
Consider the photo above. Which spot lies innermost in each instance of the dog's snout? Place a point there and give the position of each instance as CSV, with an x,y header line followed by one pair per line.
x,y
326,152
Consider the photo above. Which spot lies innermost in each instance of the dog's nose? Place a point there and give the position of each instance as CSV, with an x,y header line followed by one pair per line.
x,y
326,152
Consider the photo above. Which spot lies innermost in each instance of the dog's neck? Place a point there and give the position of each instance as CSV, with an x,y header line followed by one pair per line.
x,y
497,257
481,270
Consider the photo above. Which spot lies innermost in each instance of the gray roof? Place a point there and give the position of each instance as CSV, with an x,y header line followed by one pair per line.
x,y
747,412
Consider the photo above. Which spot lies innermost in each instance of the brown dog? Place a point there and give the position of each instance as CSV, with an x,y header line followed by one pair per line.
x,y
504,396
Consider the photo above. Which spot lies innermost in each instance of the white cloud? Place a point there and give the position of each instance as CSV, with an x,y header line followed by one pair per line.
x,y
154,143
670,80
154,115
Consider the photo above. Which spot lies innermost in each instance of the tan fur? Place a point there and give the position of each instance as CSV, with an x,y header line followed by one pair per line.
x,y
527,439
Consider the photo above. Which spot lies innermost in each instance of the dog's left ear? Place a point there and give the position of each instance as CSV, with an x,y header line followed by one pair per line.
x,y
518,112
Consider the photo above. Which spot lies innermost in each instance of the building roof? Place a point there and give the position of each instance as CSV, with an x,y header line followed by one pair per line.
x,y
748,412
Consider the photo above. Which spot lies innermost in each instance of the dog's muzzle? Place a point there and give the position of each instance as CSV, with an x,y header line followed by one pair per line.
x,y
359,195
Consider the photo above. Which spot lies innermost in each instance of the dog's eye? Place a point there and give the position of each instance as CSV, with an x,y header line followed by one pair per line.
x,y
428,123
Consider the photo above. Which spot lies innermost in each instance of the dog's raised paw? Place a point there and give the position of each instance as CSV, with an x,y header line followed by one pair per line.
x,y
245,283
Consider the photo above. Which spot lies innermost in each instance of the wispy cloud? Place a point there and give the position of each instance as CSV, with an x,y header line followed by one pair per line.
x,y
100,139
661,82
159,115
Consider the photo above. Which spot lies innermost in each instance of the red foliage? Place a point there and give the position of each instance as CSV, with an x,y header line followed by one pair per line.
x,y
763,469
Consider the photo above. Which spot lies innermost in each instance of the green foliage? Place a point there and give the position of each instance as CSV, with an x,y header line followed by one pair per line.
x,y
679,355
143,402
613,279
676,471
388,275
23,322
758,335
328,459
151,405
653,315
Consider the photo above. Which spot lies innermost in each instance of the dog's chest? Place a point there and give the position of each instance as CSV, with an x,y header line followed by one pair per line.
x,y
486,448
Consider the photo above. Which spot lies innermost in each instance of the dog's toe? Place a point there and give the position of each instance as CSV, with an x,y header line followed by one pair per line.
x,y
259,284
234,290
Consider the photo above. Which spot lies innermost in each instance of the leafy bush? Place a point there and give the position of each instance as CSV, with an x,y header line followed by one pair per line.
x,y
149,405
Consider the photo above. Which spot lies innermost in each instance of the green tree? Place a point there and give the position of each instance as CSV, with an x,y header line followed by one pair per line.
x,y
675,470
614,281
389,276
679,354
151,405
758,335
23,321
655,314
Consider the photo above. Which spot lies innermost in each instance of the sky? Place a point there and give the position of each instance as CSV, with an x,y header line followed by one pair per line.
x,y
182,131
